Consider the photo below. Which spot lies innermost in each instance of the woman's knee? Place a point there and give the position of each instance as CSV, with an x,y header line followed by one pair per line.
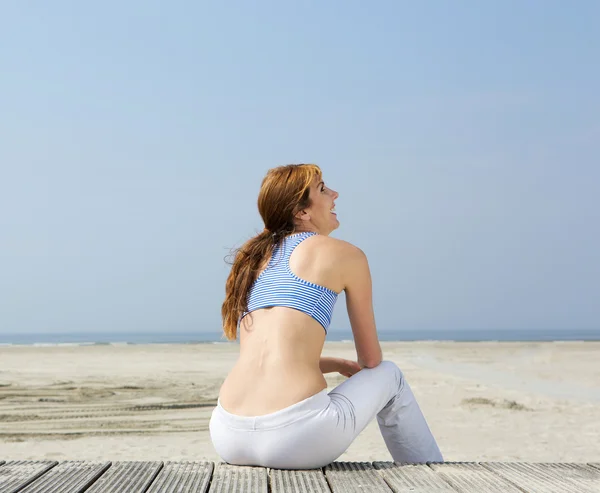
x,y
390,368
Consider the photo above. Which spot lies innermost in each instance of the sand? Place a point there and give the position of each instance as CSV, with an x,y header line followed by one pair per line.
x,y
483,401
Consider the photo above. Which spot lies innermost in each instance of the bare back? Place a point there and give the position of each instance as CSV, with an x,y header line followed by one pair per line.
x,y
280,347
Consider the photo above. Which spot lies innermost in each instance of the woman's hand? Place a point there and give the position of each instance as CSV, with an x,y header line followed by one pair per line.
x,y
342,366
348,368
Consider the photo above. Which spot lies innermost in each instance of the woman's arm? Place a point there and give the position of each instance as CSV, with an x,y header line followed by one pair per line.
x,y
359,302
328,364
345,367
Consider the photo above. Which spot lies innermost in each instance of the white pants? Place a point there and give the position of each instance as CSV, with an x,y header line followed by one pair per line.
x,y
316,431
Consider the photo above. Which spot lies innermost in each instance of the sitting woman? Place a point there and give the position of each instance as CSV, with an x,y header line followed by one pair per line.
x,y
274,409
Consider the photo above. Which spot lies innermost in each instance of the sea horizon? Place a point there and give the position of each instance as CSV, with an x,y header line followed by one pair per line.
x,y
163,337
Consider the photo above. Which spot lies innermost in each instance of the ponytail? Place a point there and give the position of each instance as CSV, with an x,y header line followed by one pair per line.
x,y
247,262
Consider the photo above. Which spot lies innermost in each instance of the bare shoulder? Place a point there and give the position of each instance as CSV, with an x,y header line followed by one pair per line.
x,y
338,263
337,249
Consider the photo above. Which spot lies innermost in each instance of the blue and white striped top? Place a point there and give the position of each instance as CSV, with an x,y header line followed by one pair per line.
x,y
277,285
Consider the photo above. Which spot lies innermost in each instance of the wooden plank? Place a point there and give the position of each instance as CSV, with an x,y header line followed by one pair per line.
x,y
15,475
183,477
127,477
473,477
549,478
239,479
351,477
311,480
412,477
71,476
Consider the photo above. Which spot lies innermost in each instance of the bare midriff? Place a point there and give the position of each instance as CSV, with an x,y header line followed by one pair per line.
x,y
278,365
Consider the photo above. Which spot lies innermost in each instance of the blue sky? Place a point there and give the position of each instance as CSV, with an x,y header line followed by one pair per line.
x,y
463,138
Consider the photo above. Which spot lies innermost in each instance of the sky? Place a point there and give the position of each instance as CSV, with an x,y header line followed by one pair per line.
x,y
462,137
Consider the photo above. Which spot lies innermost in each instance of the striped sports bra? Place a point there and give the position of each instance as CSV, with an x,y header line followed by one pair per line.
x,y
277,285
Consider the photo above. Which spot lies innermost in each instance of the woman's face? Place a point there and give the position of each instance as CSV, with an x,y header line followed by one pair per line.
x,y
321,213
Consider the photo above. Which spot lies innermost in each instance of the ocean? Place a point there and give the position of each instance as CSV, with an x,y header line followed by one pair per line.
x,y
106,338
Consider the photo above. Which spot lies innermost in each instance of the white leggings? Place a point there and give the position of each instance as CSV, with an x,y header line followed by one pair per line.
x,y
316,431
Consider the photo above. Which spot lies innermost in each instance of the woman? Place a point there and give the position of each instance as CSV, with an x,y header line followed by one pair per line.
x,y
274,409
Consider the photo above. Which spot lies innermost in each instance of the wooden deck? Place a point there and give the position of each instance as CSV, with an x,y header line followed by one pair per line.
x,y
347,477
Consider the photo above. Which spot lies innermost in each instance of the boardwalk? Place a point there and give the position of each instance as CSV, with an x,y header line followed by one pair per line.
x,y
347,477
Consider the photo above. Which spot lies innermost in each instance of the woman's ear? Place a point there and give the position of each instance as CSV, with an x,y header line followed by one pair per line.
x,y
302,215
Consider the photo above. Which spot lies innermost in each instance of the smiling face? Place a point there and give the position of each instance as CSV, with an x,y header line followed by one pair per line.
x,y
320,217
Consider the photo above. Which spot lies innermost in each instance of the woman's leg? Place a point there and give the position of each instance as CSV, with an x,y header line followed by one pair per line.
x,y
383,392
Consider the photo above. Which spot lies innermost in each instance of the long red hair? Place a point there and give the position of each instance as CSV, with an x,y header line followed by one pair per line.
x,y
284,192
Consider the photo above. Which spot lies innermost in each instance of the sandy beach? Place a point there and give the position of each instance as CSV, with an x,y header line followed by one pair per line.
x,y
483,401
